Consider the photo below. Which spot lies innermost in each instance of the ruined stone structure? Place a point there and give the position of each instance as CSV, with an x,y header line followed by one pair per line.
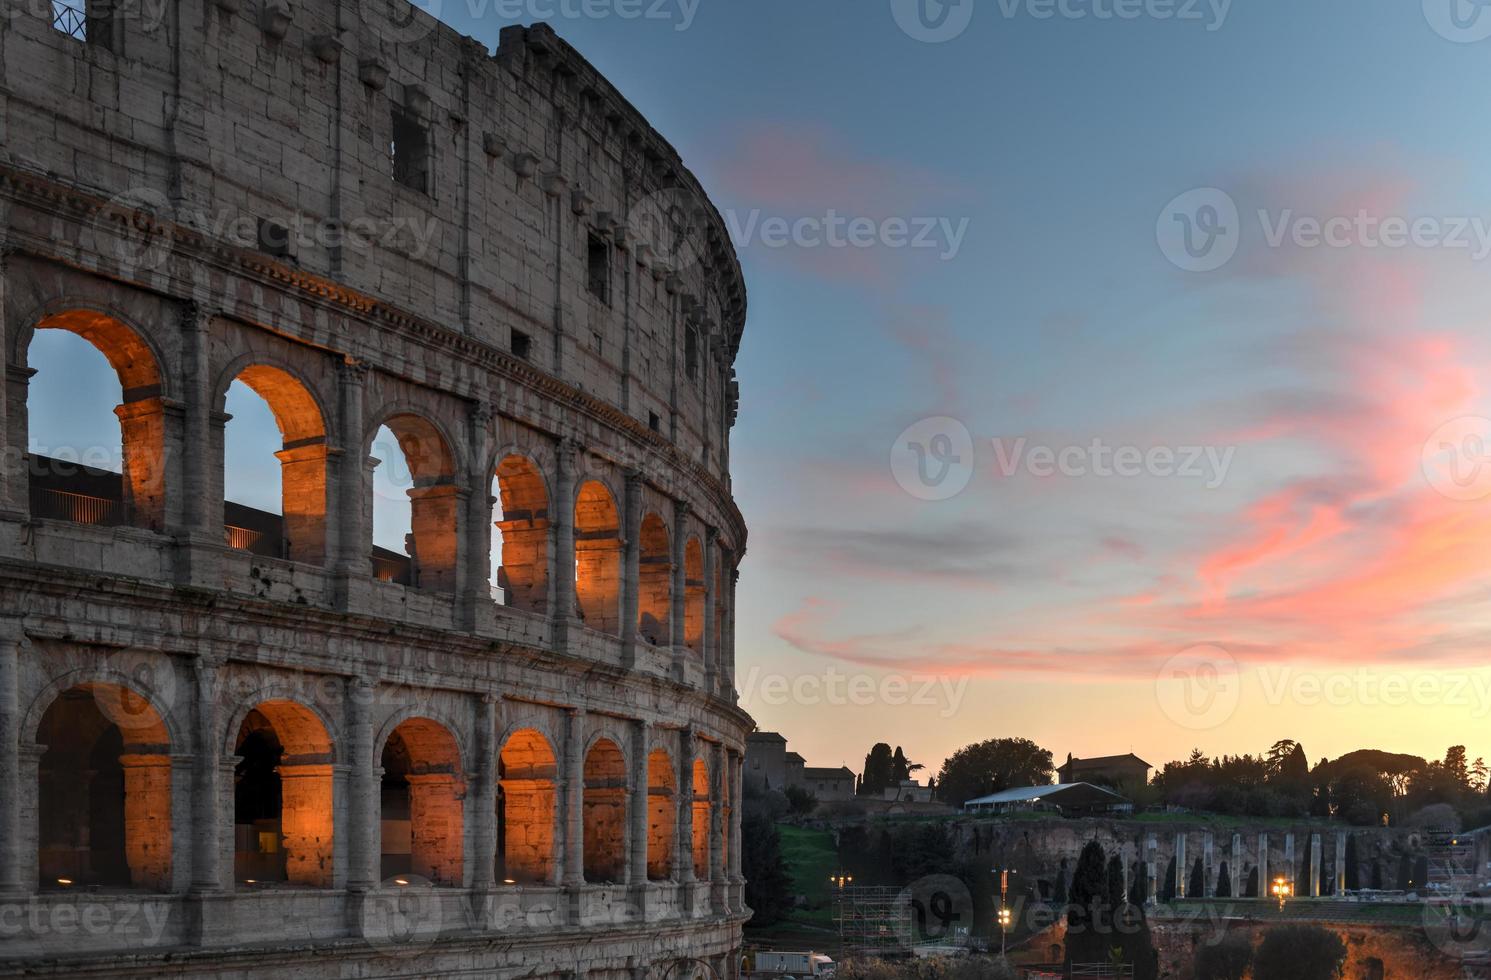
x,y
234,742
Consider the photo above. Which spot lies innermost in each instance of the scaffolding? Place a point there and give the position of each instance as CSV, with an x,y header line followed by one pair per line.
x,y
874,921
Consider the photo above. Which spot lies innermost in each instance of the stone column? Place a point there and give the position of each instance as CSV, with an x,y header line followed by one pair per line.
x,y
631,565
207,815
1315,854
476,545
727,642
637,811
1291,870
1182,873
574,800
1263,877
303,476
1208,866
678,592
437,816
353,517
201,457
562,515
1340,864
11,449
707,638
483,818
363,792
12,874
717,782
1151,872
683,837
1236,882
737,789
435,519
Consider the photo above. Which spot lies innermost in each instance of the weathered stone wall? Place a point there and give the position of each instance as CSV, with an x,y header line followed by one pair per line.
x,y
1371,953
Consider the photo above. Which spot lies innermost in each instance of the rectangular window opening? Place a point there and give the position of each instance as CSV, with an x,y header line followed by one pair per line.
x,y
522,345
691,353
599,258
410,149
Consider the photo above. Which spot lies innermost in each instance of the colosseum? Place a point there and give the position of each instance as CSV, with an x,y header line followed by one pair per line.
x,y
244,741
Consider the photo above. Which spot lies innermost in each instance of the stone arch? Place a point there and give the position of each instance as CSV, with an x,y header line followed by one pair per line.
x,y
300,413
654,582
598,557
522,580
434,491
700,814
605,805
137,495
662,814
423,814
283,795
103,789
527,771
693,595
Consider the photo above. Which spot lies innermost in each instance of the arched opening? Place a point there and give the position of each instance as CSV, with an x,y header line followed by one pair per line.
x,y
422,803
282,797
521,551
103,792
598,558
701,819
605,813
693,596
654,580
525,809
416,506
83,466
662,815
275,467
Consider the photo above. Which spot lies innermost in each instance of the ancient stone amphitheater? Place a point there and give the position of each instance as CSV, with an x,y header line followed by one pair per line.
x,y
242,742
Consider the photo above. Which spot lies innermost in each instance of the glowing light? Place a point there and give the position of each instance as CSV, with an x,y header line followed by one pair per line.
x,y
509,881
400,881
64,881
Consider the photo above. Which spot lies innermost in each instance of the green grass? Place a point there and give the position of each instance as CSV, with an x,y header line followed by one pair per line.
x,y
810,858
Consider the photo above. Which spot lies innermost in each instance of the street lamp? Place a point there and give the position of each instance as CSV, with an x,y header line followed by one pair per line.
x,y
1005,916
1283,890
1004,927
840,879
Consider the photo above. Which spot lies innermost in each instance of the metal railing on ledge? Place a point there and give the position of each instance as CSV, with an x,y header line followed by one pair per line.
x,y
79,508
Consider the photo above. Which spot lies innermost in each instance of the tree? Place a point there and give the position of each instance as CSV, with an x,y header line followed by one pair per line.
x,y
991,767
1251,891
1167,885
1224,881
1115,898
1299,952
1225,960
1457,767
768,889
1353,869
1089,931
901,767
1196,887
878,770
802,801
1139,890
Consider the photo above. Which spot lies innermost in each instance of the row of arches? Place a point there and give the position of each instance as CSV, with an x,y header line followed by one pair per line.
x,y
105,785
106,464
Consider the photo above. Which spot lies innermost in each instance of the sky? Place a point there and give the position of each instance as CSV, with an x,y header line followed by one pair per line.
x,y
1117,372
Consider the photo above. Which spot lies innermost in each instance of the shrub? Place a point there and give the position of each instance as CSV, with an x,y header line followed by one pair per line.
x,y
1299,952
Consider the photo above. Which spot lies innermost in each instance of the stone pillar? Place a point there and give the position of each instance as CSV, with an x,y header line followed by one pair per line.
x,y
435,518
436,816
1291,870
727,642
1182,872
207,815
1208,866
147,818
708,638
683,846
638,810
678,592
142,429
483,817
12,875
306,823
303,478
476,523
1315,854
1264,881
1340,864
717,783
353,518
201,456
1236,882
562,516
574,800
737,799
1151,872
12,450
364,809
631,565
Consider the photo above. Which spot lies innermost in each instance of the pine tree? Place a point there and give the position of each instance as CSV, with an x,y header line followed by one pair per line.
x,y
1196,888
1224,881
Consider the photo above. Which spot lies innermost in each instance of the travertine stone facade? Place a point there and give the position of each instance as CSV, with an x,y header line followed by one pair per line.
x,y
233,750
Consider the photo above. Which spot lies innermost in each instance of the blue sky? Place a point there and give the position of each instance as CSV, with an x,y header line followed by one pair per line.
x,y
1031,604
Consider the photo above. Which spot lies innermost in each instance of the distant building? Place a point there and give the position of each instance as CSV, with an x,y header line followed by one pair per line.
x,y
1123,772
907,791
1067,799
829,784
795,766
